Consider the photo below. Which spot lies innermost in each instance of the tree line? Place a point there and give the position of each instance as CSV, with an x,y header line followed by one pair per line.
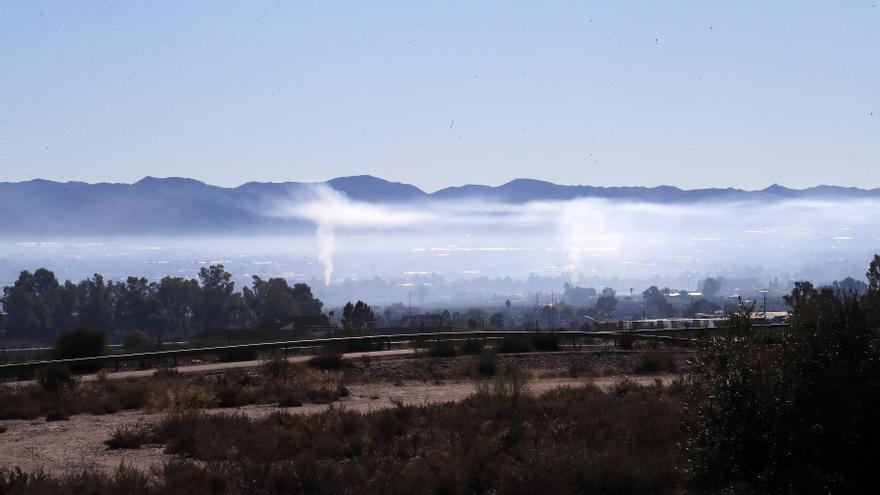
x,y
38,306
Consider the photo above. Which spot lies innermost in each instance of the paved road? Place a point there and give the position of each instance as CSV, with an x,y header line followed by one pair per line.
x,y
201,368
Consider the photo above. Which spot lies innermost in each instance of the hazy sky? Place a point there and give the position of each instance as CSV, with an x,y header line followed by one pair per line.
x,y
443,93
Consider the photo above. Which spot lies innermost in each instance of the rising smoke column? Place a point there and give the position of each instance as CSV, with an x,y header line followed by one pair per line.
x,y
326,248
331,211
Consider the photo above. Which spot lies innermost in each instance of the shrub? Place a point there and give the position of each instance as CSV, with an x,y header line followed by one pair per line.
x,y
132,395
655,362
472,346
80,344
503,394
128,437
513,344
166,374
233,395
54,377
237,355
293,398
327,360
136,341
180,396
625,341
322,395
546,342
57,415
442,349
189,478
581,366
487,365
277,367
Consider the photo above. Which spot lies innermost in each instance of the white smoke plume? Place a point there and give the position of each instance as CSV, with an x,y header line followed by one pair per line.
x,y
330,210
326,248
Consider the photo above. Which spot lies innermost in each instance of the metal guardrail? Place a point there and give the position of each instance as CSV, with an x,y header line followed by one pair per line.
x,y
329,341
320,342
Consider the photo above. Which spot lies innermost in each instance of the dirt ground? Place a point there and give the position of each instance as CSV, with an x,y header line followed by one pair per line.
x,y
66,446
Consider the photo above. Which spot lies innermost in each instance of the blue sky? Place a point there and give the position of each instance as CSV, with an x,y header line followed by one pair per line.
x,y
691,94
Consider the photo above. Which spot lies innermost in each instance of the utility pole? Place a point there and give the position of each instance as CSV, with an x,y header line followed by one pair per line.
x,y
552,302
764,292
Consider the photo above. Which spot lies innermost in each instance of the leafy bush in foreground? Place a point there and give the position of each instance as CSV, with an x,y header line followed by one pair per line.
x,y
800,417
55,377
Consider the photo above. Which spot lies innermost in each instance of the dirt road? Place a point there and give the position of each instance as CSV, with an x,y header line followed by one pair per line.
x,y
208,367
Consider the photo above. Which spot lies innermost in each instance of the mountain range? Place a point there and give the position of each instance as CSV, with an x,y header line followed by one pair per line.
x,y
180,206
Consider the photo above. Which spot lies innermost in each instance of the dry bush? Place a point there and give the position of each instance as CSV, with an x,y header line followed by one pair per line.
x,y
501,396
513,344
55,377
581,367
471,346
655,362
277,367
487,365
327,360
179,396
442,349
129,437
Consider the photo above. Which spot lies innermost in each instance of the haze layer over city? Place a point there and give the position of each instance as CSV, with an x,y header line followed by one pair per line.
x,y
460,248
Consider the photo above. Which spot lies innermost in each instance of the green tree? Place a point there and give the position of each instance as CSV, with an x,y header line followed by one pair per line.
x,y
95,308
711,287
357,316
273,303
136,304
606,304
656,303
873,275
177,302
33,305
218,299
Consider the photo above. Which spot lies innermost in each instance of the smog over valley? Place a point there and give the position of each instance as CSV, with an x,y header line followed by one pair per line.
x,y
458,245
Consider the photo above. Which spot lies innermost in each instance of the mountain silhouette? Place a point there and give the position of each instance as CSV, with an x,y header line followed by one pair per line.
x,y
181,206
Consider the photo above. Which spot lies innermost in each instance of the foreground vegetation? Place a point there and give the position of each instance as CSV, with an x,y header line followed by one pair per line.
x,y
500,440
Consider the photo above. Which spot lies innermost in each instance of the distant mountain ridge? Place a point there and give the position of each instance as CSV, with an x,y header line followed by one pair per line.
x,y
178,206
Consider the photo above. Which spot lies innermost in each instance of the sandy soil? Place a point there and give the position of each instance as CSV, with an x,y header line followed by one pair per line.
x,y
66,446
